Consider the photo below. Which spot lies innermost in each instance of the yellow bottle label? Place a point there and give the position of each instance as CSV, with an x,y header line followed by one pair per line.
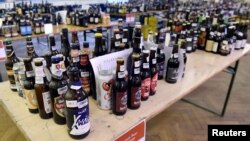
x,y
31,100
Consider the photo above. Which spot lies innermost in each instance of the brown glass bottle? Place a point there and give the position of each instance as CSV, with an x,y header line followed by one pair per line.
x,y
134,91
52,44
11,59
42,90
77,107
30,48
98,44
119,90
65,46
145,76
85,70
74,39
57,88
62,66
153,71
28,86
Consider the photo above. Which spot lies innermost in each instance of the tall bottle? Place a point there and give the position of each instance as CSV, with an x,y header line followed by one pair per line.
x,y
28,85
134,91
153,70
202,39
52,44
210,42
77,107
173,66
85,71
119,90
30,48
145,76
57,88
11,59
42,90
74,39
217,41
183,51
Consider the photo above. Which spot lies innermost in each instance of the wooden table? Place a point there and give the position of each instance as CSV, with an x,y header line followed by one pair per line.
x,y
105,126
71,28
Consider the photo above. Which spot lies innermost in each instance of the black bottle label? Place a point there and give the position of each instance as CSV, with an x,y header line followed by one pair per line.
x,y
135,96
172,74
121,101
78,117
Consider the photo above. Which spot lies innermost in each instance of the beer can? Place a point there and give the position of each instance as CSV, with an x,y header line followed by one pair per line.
x,y
105,80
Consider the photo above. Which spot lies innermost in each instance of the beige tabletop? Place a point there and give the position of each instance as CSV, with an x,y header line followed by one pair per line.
x,y
58,29
105,126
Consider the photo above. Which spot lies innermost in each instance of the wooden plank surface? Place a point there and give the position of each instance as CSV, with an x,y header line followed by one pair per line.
x,y
71,28
105,126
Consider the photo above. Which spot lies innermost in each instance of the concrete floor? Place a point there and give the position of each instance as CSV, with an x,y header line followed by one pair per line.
x,y
180,122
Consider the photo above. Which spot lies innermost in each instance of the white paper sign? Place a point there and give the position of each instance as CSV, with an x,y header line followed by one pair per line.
x,y
48,28
2,51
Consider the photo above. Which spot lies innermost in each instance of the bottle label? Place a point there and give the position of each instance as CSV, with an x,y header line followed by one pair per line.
x,y
39,80
154,83
78,119
96,20
189,39
117,36
39,71
172,73
71,103
59,105
215,47
224,47
117,43
75,59
104,96
209,45
31,100
145,88
30,73
135,96
62,90
145,65
124,40
160,67
85,81
121,74
137,63
56,69
62,66
137,70
47,102
122,68
11,77
121,101
154,61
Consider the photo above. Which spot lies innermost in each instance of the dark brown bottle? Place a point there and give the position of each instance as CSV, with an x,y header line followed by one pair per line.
x,y
52,44
145,76
11,59
42,90
77,107
134,91
65,46
119,90
30,48
153,71
98,44
85,71
173,66
28,86
160,63
57,88
74,39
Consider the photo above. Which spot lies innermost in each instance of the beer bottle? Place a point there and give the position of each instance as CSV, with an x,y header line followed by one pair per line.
x,y
62,66
119,91
153,71
42,90
28,85
173,66
57,88
74,53
134,91
202,38
145,76
189,41
11,59
117,40
224,48
98,44
160,63
77,107
85,70
239,37
217,41
65,46
75,40
52,44
30,48
210,42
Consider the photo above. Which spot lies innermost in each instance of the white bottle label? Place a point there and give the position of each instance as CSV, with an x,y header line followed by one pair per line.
x,y
62,90
39,80
124,40
121,74
71,103
137,64
117,36
215,47
137,71
84,74
117,43
47,102
145,65
30,73
153,61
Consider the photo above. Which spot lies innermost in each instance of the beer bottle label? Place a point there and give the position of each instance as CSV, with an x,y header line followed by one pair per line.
x,y
124,40
85,81
135,96
31,100
30,73
160,67
121,101
104,96
137,64
78,118
209,45
224,47
47,102
215,47
154,83
59,105
172,73
137,71
145,89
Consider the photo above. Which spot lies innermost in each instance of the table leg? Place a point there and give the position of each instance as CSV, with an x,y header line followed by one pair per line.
x,y
232,71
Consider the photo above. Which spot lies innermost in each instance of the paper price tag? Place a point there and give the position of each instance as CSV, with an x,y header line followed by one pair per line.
x,y
48,28
2,51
